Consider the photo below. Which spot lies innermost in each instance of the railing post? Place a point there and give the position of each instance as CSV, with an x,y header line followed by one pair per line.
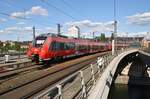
x,y
83,87
98,68
102,66
60,91
104,62
92,74
108,58
99,64
6,58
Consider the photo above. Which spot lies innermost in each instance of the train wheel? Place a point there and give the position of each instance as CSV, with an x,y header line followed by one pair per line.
x,y
37,61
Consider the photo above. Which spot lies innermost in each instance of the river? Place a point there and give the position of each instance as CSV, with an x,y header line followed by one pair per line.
x,y
119,91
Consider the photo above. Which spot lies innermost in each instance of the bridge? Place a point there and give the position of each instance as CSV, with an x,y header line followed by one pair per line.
x,y
94,81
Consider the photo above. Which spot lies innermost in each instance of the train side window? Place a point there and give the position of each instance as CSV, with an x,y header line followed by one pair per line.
x,y
72,46
55,46
67,46
77,47
58,45
61,46
52,46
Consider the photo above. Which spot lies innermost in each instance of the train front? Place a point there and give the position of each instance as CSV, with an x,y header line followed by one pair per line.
x,y
35,47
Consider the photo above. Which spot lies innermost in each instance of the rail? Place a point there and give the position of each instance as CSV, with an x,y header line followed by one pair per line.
x,y
79,84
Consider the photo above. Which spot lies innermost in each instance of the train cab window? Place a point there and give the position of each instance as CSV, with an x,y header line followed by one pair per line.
x,y
39,41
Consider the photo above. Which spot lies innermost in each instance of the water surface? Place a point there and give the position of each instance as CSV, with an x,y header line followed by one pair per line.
x,y
119,91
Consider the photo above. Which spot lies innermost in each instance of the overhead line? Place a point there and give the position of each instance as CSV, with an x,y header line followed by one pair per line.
x,y
24,18
59,10
68,5
6,14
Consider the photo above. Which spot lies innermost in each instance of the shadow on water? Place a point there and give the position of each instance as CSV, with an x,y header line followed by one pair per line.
x,y
119,91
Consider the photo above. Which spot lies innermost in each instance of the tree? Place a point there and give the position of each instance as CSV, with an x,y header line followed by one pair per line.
x,y
1,46
102,37
17,46
7,46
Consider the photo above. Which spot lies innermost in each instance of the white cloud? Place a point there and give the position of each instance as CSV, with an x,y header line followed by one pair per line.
x,y
21,23
141,19
26,29
38,10
93,26
50,30
13,28
24,32
2,20
15,15
35,10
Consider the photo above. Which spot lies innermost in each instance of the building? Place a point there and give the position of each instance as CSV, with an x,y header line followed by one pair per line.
x,y
146,43
25,44
73,32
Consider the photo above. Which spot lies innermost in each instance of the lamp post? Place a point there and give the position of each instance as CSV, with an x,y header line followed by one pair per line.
x,y
114,41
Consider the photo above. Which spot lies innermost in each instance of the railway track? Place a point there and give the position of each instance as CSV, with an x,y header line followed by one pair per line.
x,y
5,76
11,68
29,84
11,71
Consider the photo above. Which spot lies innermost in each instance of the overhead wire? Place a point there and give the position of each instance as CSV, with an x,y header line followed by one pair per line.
x,y
72,8
59,10
6,14
18,17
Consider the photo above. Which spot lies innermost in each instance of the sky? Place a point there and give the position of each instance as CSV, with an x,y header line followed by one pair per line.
x,y
17,17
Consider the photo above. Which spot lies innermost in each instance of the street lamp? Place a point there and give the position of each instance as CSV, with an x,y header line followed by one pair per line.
x,y
114,41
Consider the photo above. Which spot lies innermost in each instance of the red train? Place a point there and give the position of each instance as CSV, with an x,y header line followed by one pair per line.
x,y
52,46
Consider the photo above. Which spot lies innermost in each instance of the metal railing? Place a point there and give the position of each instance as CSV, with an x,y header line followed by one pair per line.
x,y
8,58
79,83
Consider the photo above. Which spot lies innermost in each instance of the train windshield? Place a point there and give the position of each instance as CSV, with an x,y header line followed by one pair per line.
x,y
39,41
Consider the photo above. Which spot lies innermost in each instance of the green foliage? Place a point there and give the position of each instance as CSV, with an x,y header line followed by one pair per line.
x,y
7,46
102,37
1,44
17,46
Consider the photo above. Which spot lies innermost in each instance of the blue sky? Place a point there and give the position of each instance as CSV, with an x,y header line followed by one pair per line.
x,y
133,17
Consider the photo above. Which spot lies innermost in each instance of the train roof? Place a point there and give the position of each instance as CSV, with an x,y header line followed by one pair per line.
x,y
52,35
74,39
